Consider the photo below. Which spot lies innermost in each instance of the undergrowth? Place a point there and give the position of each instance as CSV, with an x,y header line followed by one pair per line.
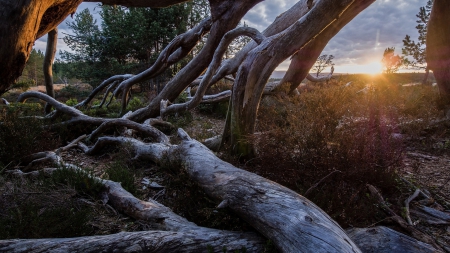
x,y
331,141
21,134
46,207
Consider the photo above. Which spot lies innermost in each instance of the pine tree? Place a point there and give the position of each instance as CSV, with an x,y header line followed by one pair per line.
x,y
33,69
414,52
127,41
391,62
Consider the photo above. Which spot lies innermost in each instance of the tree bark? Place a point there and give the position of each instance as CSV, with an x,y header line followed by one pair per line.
x,y
231,13
291,221
304,59
386,240
145,241
50,52
21,23
438,47
260,63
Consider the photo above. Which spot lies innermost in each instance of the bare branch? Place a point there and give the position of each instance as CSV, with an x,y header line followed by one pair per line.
x,y
116,78
142,128
56,104
178,48
217,59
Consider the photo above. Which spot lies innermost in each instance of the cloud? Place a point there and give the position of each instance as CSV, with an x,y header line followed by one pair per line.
x,y
383,24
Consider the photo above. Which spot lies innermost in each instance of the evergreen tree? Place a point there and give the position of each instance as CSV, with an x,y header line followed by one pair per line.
x,y
128,41
414,52
391,62
33,71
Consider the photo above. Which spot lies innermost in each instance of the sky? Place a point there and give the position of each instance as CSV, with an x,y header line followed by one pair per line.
x,y
357,48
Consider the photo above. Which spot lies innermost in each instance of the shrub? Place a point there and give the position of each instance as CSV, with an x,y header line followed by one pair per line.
x,y
21,136
119,172
46,207
305,138
72,102
134,104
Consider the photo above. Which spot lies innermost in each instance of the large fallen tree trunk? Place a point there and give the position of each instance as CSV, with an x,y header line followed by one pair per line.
x,y
291,221
174,233
145,241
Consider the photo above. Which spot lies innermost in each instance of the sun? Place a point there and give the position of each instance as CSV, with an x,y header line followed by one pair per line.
x,y
372,68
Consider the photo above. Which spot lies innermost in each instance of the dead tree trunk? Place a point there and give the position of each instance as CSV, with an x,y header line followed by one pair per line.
x,y
21,23
225,16
304,59
438,47
291,221
260,63
144,241
50,52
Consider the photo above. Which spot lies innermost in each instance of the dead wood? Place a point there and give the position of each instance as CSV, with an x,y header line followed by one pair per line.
x,y
50,52
110,83
291,221
210,73
225,17
175,233
174,52
403,224
144,241
407,201
145,129
386,240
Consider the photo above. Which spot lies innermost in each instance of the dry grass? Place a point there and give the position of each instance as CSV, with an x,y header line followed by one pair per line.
x,y
333,140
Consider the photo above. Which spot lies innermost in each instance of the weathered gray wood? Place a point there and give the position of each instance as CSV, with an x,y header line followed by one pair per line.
x,y
110,82
259,64
436,213
386,240
145,241
50,52
225,17
214,65
178,48
291,221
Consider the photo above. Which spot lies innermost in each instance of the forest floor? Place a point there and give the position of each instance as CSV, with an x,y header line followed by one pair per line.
x,y
425,163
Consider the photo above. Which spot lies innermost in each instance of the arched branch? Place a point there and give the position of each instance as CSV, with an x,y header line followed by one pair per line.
x,y
105,83
217,59
174,52
147,130
53,102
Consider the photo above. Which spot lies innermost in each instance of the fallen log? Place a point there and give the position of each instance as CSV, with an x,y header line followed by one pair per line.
x,y
291,221
145,241
386,240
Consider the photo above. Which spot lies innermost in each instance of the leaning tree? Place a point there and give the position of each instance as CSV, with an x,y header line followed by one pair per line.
x,y
438,48
291,221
